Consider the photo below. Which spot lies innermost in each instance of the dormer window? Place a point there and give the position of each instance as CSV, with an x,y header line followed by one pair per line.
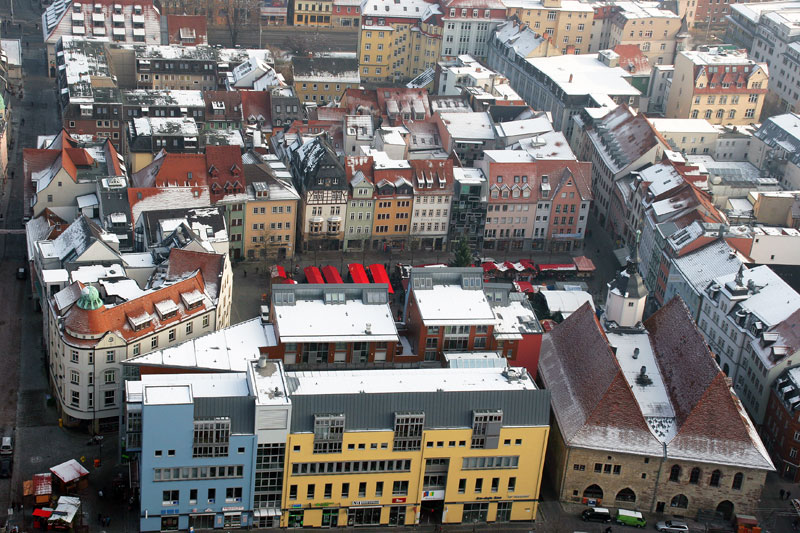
x,y
192,300
166,309
141,321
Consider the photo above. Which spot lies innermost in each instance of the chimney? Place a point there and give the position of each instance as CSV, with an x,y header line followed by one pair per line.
x,y
368,329
570,78
262,361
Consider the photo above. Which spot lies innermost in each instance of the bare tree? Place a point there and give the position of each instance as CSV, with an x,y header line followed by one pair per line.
x,y
239,13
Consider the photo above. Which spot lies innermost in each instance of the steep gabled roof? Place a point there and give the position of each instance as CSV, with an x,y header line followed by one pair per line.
x,y
182,263
224,164
591,400
172,169
187,29
712,423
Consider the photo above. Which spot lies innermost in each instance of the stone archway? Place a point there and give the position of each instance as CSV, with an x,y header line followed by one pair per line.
x,y
593,492
626,495
680,501
725,509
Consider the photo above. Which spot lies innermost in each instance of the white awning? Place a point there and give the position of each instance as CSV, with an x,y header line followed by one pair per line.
x,y
138,31
118,31
267,512
78,30
316,219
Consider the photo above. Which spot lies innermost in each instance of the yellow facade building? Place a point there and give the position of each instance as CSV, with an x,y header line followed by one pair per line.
x,y
720,85
568,23
269,221
315,13
398,41
377,447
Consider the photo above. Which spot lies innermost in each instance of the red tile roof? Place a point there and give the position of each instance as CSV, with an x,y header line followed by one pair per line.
x,y
193,22
631,59
586,382
232,101
255,104
182,263
100,321
224,164
172,170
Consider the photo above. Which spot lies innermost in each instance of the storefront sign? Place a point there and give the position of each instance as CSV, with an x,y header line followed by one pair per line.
x,y
233,508
366,502
398,500
297,505
488,498
432,495
323,504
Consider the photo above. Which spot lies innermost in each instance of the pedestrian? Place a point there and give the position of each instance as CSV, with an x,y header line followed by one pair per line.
x,y
781,492
245,273
788,495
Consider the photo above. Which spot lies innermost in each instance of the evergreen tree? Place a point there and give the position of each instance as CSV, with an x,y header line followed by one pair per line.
x,y
463,254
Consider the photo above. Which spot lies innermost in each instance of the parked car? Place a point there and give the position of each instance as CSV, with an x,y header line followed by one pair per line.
x,y
630,518
6,446
596,514
5,468
672,526
22,273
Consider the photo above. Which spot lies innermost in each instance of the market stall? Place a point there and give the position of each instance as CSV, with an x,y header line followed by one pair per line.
x,y
64,515
71,476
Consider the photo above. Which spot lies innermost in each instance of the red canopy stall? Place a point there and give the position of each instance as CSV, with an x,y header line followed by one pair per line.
x,y
358,273
379,275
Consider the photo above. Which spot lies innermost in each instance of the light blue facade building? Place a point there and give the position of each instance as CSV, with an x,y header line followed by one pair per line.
x,y
198,450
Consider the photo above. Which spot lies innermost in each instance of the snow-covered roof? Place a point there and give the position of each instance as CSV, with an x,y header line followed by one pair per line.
x,y
662,178
634,352
469,126
407,380
700,267
682,125
773,302
166,126
69,471
410,9
55,275
583,74
514,318
452,305
229,349
566,302
528,127
93,273
311,319
171,389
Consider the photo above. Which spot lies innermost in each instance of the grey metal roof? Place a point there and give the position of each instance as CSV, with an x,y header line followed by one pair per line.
x,y
240,409
451,409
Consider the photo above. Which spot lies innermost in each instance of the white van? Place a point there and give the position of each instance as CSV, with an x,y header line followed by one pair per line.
x,y
5,447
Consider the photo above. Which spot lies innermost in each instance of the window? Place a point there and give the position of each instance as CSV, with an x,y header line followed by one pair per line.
x,y
675,473
233,494
486,428
328,433
462,486
76,398
293,492
512,484
74,377
400,488
110,398
212,495
310,491
408,431
479,485
345,490
694,477
362,489
495,484
170,497
715,477
109,356
738,478
211,437
379,488
109,377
